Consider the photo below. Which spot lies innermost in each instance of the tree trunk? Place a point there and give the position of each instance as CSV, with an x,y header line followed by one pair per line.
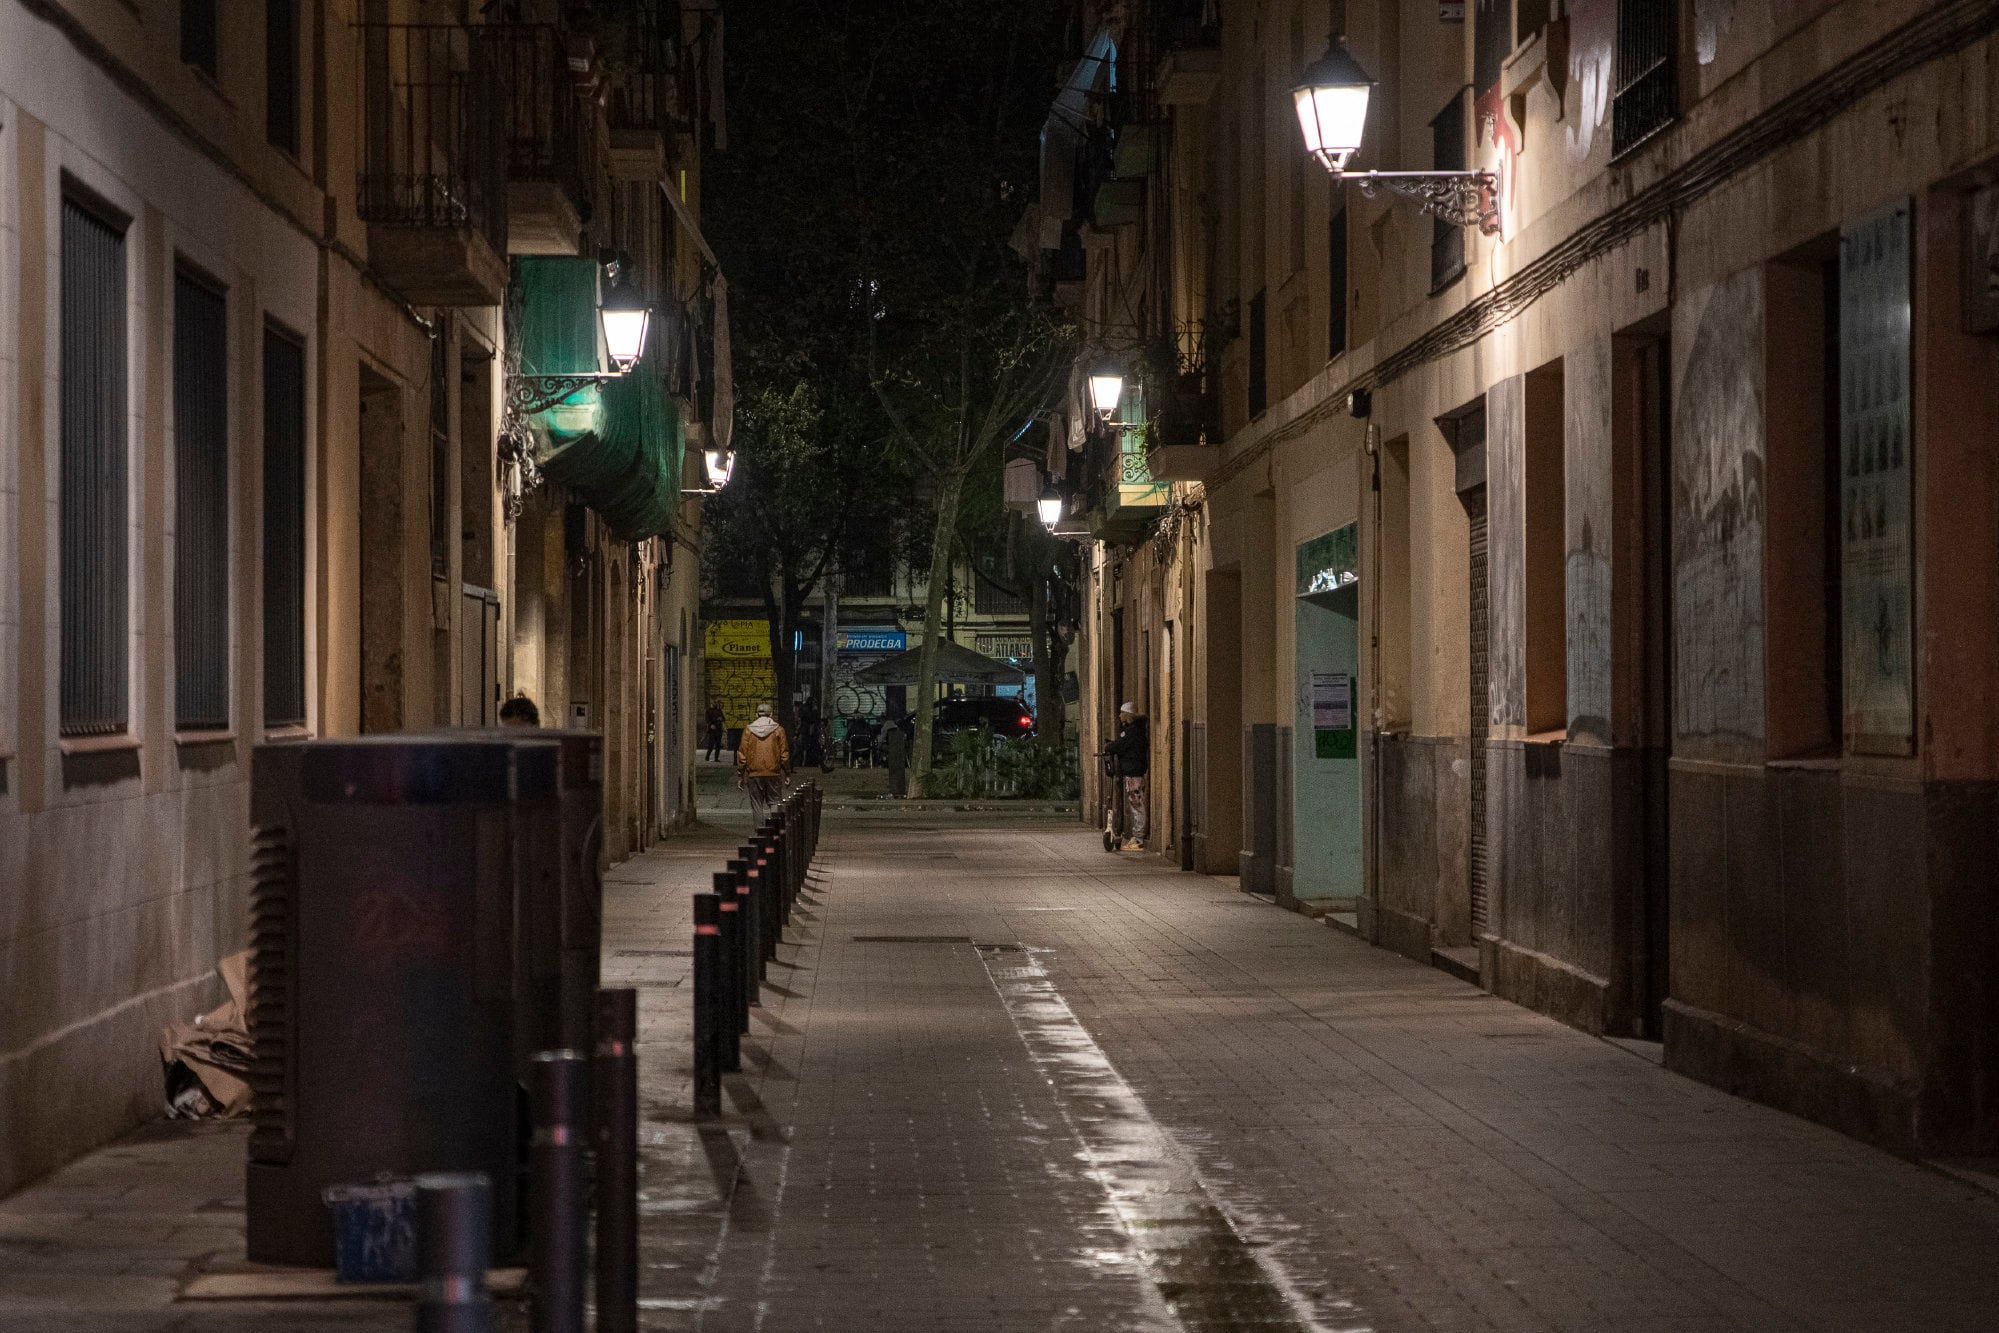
x,y
782,606
1047,706
943,537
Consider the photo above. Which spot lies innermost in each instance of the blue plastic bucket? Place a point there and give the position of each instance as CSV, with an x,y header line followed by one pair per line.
x,y
374,1231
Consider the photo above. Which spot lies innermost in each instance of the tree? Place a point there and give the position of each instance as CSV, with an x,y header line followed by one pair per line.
x,y
881,154
960,354
1017,555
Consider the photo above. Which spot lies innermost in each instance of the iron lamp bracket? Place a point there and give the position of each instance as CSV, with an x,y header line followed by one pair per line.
x,y
1461,197
528,394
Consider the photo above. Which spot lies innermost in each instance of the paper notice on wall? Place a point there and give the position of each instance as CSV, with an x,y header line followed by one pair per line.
x,y
1332,701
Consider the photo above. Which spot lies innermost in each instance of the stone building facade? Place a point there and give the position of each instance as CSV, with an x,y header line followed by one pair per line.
x,y
259,479
1601,607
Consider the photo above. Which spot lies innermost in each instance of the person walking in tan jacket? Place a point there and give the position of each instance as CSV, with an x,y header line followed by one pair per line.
x,y
763,762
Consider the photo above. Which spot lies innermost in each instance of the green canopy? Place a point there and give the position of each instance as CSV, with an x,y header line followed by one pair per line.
x,y
616,445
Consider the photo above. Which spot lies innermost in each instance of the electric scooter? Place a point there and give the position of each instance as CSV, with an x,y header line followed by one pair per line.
x,y
1113,803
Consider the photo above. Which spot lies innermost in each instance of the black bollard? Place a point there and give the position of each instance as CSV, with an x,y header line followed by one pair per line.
x,y
708,1017
558,1191
614,1078
454,1226
729,990
748,910
773,900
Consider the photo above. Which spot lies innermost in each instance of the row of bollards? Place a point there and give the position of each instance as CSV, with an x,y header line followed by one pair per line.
x,y
584,1144
584,1141
737,929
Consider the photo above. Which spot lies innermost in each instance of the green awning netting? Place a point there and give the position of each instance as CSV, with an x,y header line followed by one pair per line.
x,y
617,445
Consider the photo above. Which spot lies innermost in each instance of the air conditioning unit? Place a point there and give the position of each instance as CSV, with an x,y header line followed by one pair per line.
x,y
405,910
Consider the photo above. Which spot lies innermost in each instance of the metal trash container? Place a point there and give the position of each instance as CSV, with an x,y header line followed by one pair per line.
x,y
384,988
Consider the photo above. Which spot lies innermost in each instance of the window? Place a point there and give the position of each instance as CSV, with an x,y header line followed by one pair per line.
x,y
440,454
1645,97
1447,153
201,505
990,599
281,74
1801,494
94,505
284,530
1544,553
1336,301
1258,357
1492,41
200,37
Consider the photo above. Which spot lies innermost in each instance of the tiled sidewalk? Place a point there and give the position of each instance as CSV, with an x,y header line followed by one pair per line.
x,y
1005,1081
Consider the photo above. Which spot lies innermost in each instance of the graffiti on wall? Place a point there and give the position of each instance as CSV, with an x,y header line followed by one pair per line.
x,y
1506,569
1718,511
1586,405
1875,555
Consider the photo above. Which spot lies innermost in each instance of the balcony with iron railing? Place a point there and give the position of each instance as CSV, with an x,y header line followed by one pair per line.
x,y
551,131
1186,434
1187,34
431,180
1120,492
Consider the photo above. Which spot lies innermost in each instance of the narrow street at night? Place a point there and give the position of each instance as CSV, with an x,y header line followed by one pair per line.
x,y
1001,1080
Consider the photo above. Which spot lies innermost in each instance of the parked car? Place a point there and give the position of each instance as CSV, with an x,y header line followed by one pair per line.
x,y
1007,717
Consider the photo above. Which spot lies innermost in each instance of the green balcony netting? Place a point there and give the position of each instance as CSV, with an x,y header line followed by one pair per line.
x,y
616,445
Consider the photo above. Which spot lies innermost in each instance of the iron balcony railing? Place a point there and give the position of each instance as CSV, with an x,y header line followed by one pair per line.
x,y
645,91
1186,23
431,107
550,133
1188,406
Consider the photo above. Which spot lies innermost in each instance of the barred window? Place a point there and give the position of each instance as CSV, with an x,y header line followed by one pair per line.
x,y
94,504
990,599
201,504
200,35
1447,238
284,530
281,74
1259,387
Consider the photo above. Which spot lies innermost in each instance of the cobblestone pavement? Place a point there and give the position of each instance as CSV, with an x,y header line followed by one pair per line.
x,y
1001,1080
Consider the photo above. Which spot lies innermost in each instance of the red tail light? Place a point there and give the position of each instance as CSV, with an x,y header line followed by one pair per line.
x,y
1026,721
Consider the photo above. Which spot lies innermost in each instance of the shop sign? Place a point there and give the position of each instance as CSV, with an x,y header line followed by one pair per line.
x,y
1005,647
871,639
738,638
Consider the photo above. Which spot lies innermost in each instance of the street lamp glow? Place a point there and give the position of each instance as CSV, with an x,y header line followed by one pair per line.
x,y
1332,105
1106,387
625,317
721,464
1050,505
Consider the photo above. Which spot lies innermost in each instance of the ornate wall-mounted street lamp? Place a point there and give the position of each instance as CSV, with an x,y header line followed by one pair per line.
x,y
623,316
1332,97
1106,387
1050,504
721,465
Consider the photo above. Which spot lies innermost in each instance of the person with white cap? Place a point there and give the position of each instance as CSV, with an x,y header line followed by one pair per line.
x,y
763,762
1132,751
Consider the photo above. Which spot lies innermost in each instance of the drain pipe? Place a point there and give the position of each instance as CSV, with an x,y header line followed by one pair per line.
x,y
1372,444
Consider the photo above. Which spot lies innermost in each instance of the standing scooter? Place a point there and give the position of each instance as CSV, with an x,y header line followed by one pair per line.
x,y
1113,803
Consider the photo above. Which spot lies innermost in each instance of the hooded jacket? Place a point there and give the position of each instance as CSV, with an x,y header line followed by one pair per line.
x,y
1133,749
763,752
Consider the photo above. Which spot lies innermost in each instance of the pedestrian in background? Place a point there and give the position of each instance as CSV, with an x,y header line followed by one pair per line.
x,y
763,762
519,711
895,753
717,724
1133,752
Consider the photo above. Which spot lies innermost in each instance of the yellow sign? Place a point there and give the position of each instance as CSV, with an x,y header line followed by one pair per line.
x,y
739,638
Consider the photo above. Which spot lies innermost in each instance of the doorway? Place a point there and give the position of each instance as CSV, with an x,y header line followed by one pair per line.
x,y
1325,760
1643,450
